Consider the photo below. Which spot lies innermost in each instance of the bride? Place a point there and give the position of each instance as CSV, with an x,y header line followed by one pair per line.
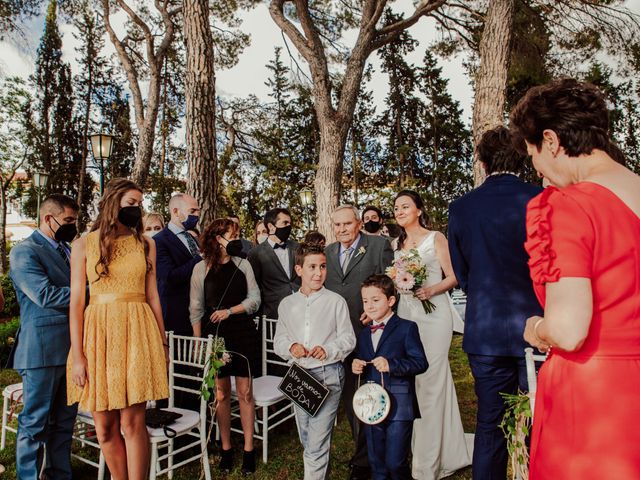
x,y
438,444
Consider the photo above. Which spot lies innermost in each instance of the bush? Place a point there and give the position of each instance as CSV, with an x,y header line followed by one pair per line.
x,y
11,307
7,338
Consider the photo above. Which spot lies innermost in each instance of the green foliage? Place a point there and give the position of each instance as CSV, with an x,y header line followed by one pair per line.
x,y
11,307
516,426
8,332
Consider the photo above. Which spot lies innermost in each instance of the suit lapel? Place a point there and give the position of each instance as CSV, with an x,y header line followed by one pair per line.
x,y
389,327
177,243
292,259
52,254
356,255
332,253
270,252
368,343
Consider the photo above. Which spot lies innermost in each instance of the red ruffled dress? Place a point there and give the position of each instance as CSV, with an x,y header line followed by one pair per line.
x,y
587,419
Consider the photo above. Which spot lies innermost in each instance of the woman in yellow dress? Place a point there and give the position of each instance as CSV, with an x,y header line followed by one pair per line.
x,y
118,347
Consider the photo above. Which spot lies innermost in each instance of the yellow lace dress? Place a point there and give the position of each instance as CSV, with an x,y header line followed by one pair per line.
x,y
121,340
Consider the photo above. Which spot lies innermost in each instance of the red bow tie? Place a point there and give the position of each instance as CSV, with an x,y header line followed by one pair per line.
x,y
373,327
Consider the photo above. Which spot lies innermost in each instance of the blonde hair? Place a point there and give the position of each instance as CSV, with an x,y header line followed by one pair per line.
x,y
150,217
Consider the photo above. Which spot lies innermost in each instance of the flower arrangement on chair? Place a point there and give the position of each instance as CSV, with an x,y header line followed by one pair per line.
x,y
409,273
220,356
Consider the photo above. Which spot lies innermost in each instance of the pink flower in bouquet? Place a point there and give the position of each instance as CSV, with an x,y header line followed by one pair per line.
x,y
226,357
404,280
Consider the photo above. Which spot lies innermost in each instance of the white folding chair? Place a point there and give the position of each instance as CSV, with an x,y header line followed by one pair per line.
x,y
532,375
188,351
12,397
266,393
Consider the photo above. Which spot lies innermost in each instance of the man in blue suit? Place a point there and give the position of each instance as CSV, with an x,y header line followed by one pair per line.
x,y
177,252
486,239
41,275
393,348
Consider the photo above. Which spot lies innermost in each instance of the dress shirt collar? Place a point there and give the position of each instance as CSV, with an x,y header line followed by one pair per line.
x,y
175,228
313,295
384,320
54,243
272,243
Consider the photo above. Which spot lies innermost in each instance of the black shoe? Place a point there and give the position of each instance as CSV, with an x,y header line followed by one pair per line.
x,y
226,460
360,473
248,462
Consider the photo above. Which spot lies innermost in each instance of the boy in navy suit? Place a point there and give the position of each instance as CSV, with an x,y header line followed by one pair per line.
x,y
392,346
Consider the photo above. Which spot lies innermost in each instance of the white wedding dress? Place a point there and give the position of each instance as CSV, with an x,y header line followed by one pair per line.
x,y
438,445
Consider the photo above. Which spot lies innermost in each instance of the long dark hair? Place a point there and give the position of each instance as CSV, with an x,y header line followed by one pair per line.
x,y
423,219
210,246
107,223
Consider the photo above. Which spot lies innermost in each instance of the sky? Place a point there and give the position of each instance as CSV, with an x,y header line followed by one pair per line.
x,y
249,75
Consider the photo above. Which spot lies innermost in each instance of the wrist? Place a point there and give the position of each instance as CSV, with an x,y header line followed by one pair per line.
x,y
535,329
229,312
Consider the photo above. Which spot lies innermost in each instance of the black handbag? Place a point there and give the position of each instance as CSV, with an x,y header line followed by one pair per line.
x,y
159,418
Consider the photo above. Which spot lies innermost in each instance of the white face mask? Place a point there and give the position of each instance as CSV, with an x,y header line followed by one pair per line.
x,y
262,238
151,233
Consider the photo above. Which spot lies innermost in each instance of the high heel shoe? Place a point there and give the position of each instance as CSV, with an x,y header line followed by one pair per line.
x,y
226,460
248,462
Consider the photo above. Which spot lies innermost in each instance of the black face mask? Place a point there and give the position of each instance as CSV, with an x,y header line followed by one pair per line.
x,y
234,248
66,232
130,216
372,226
283,233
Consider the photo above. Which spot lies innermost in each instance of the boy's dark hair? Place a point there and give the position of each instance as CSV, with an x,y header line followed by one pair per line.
x,y
372,208
271,217
496,150
306,249
315,237
576,111
382,282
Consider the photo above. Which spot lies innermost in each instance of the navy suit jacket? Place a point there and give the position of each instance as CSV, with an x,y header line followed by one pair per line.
x,y
174,265
400,344
487,231
41,279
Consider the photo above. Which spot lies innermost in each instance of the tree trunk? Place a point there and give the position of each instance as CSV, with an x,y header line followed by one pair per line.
x,y
491,80
200,98
333,138
85,151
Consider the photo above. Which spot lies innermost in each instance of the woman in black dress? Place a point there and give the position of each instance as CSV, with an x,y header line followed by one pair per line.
x,y
224,295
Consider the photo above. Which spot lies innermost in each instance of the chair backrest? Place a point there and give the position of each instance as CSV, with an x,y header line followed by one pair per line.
x,y
532,379
268,353
193,354
458,297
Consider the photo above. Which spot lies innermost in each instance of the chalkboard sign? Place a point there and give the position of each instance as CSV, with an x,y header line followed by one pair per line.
x,y
303,390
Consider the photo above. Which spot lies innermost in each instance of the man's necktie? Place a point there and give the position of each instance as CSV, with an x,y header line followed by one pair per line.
x,y
282,245
377,327
62,253
193,245
346,257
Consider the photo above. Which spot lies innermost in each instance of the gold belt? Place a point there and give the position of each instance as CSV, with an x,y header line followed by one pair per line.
x,y
104,298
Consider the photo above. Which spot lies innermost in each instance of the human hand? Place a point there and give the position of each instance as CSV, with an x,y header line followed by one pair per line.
x,y
219,315
531,337
424,293
79,371
298,351
166,352
381,364
357,367
365,319
318,353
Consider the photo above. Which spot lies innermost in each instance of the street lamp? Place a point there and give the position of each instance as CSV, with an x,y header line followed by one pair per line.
x,y
101,146
306,199
40,180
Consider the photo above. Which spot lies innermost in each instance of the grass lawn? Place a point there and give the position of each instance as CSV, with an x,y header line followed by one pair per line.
x,y
285,453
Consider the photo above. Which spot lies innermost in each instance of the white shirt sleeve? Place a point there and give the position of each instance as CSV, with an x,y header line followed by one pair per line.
x,y
345,340
282,340
196,293
252,302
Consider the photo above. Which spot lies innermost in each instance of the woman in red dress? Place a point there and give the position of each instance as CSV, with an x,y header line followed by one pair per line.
x,y
584,243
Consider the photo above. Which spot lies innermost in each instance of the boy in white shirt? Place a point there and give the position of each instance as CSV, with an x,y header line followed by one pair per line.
x,y
314,329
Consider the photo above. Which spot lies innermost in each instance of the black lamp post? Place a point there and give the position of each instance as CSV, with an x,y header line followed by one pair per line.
x,y
306,199
101,146
40,180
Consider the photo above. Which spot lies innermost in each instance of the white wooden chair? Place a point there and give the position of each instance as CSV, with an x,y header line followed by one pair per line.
x,y
266,393
188,351
532,375
12,397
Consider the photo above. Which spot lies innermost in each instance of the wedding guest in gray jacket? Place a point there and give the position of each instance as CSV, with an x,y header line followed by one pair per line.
x,y
40,273
272,262
350,261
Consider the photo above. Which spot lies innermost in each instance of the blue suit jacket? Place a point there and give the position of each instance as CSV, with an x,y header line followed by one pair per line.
x,y
41,279
174,265
400,344
487,232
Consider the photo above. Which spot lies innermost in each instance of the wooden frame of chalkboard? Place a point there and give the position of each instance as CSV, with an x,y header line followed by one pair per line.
x,y
303,389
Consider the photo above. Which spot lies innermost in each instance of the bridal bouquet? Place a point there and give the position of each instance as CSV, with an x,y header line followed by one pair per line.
x,y
409,273
218,359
